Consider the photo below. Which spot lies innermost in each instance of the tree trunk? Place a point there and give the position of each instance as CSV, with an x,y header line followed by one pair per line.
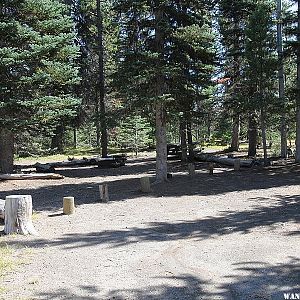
x,y
57,141
252,135
235,137
161,134
281,80
297,158
75,137
183,140
101,83
18,215
190,140
209,121
6,151
161,144
264,136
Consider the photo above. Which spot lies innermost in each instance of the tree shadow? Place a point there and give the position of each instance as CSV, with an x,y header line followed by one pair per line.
x,y
174,287
286,210
49,197
258,280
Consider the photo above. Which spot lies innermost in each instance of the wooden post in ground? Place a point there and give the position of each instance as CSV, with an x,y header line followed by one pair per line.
x,y
18,215
211,168
237,165
104,196
191,169
68,205
145,185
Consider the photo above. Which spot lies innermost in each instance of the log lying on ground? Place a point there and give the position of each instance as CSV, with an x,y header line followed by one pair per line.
x,y
18,215
115,161
110,162
31,176
224,160
2,208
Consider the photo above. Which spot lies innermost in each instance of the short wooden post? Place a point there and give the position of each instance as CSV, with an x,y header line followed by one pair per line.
x,y
18,215
237,164
104,196
192,170
68,205
145,185
211,168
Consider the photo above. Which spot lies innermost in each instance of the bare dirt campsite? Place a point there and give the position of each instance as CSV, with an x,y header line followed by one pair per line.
x,y
230,235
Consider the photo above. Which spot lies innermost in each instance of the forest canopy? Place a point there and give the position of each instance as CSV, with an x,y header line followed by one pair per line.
x,y
120,75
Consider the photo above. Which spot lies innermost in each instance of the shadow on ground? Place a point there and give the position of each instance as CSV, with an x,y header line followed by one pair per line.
x,y
176,288
258,280
49,197
285,209
249,280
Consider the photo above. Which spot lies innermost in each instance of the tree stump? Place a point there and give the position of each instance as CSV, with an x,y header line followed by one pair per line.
x,y
192,170
68,205
211,168
104,196
237,165
2,205
18,215
145,185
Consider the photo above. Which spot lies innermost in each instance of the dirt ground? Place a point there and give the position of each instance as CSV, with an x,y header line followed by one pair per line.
x,y
233,235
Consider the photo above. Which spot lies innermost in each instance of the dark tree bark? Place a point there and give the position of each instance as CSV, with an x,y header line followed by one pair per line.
x,y
281,80
101,109
190,140
264,135
183,140
6,151
75,137
161,135
252,134
235,136
297,158
57,141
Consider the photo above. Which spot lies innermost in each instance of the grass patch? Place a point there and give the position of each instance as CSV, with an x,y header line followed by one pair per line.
x,y
5,262
5,259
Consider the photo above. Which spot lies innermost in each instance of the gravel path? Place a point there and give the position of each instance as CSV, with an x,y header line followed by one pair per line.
x,y
234,235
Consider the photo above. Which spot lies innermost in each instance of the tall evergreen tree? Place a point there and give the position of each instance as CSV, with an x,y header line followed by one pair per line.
x,y
233,16
162,53
37,71
261,64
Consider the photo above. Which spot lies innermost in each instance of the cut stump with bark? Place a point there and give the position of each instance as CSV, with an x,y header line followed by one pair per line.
x,y
18,215
145,185
2,205
211,168
237,165
103,190
192,170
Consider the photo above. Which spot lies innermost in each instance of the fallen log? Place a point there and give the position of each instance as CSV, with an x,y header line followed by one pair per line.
x,y
31,176
224,160
113,161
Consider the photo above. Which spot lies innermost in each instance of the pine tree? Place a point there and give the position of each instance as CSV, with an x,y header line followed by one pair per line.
x,y
162,53
37,71
261,64
233,16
